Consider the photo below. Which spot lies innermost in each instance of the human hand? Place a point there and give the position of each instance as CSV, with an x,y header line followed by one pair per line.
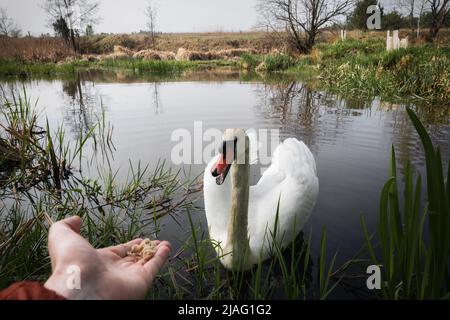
x,y
105,273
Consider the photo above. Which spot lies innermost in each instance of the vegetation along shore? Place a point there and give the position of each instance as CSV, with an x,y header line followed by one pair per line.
x,y
357,66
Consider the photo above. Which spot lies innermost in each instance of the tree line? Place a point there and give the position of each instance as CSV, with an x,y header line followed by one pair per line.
x,y
406,14
71,19
301,20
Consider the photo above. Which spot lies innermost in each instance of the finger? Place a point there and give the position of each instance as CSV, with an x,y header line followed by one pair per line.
x,y
122,249
153,266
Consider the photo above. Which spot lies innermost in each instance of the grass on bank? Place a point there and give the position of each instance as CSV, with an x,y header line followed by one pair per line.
x,y
364,68
266,63
24,69
153,66
367,69
360,68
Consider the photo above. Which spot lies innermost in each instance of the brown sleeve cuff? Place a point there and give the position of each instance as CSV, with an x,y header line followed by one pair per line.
x,y
27,290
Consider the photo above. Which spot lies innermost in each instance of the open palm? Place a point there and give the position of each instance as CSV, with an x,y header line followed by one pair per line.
x,y
107,273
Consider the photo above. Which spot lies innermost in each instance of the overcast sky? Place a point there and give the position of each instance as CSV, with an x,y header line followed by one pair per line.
x,y
128,15
125,16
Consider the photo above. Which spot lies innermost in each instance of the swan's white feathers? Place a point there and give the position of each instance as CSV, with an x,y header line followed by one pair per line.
x,y
291,180
254,146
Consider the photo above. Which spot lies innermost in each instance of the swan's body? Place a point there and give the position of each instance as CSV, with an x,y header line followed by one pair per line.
x,y
241,218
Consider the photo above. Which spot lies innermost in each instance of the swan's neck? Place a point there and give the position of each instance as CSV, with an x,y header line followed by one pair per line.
x,y
238,221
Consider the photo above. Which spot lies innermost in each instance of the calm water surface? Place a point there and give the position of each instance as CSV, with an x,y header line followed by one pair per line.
x,y
350,139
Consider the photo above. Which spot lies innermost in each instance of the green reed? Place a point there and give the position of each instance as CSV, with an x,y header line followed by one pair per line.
x,y
43,173
266,63
154,66
28,69
290,273
43,176
414,238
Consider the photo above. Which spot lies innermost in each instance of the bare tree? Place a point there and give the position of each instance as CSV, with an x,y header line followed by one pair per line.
x,y
440,10
420,9
409,5
7,26
414,9
150,12
302,19
70,17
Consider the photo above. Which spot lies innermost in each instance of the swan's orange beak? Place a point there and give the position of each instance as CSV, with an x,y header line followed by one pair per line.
x,y
220,169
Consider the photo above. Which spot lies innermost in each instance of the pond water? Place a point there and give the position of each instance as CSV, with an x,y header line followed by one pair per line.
x,y
350,139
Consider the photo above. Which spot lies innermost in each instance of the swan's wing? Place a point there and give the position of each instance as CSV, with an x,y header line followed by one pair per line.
x,y
291,180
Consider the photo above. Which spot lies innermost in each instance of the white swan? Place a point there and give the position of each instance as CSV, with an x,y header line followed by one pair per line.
x,y
241,218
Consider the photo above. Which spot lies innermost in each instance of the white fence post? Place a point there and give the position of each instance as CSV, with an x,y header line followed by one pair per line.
x,y
395,40
388,41
404,43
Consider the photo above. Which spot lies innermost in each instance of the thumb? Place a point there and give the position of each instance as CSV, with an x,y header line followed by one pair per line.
x,y
62,235
68,225
73,223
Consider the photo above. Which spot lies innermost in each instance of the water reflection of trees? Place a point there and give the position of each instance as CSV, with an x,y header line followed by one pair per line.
x,y
156,101
303,112
323,118
82,104
406,139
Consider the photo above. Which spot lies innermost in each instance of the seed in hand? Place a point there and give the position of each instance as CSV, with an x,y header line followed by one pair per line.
x,y
145,250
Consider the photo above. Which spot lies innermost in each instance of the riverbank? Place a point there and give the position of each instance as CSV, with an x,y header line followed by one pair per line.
x,y
363,68
153,67
366,69
360,68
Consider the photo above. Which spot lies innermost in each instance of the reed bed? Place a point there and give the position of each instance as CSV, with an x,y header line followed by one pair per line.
x,y
37,50
275,62
293,273
157,68
43,173
413,237
361,68
154,66
45,177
